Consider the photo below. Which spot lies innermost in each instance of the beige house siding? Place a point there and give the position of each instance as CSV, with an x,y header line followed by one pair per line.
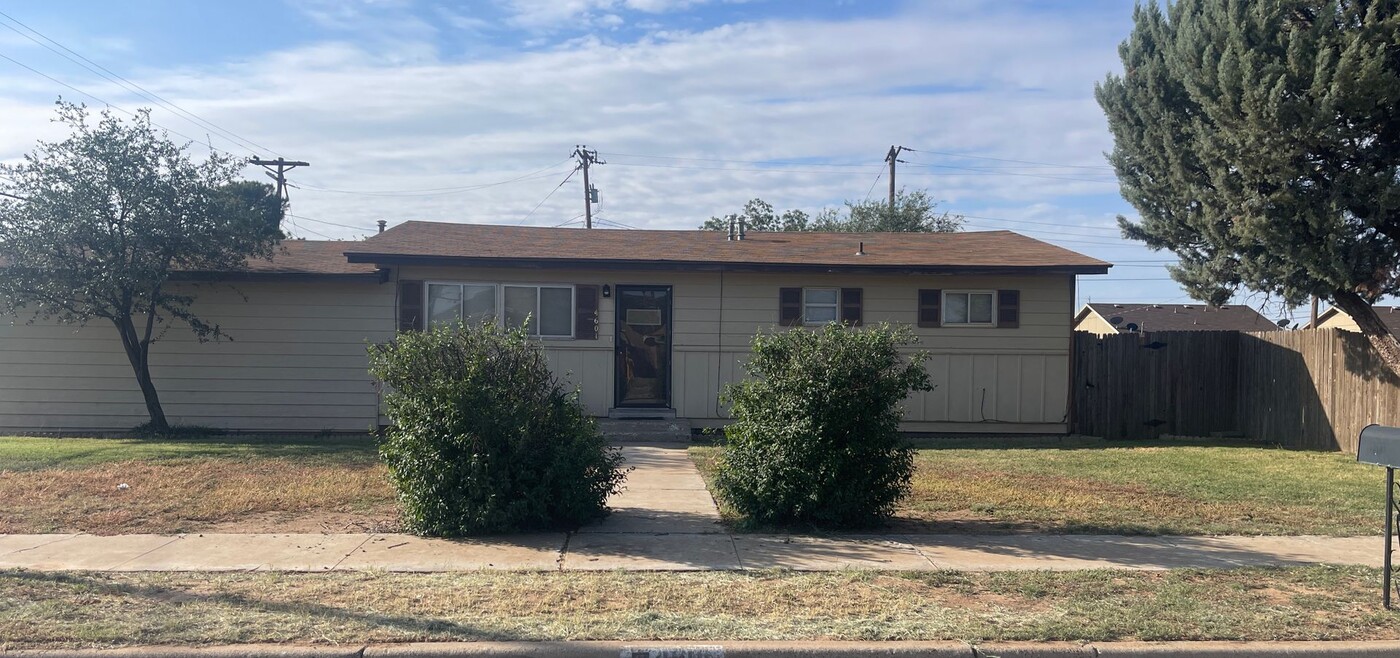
x,y
1338,320
1095,324
297,362
987,379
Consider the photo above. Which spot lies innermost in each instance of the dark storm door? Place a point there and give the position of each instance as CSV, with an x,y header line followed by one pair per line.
x,y
643,344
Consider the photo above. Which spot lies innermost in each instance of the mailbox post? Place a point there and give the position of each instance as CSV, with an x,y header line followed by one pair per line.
x,y
1380,445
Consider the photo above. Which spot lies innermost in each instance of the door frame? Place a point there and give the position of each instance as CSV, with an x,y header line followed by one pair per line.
x,y
670,317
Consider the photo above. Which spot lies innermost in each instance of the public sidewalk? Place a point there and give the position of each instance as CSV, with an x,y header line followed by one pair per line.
x,y
666,521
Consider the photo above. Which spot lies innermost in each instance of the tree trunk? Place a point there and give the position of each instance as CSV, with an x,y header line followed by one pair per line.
x,y
138,353
1371,326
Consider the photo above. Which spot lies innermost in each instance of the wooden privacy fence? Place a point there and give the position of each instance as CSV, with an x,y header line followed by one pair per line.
x,y
1306,389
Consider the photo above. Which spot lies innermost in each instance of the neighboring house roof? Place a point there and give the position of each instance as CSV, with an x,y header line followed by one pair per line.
x,y
970,252
298,259
1390,315
1178,317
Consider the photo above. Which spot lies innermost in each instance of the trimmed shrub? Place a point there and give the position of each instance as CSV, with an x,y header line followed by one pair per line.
x,y
484,438
815,437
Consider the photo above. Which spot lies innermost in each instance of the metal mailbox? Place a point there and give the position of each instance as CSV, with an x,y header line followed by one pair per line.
x,y
1380,445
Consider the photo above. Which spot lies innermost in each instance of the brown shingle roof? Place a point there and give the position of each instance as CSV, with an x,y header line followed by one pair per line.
x,y
1184,317
300,258
310,257
972,251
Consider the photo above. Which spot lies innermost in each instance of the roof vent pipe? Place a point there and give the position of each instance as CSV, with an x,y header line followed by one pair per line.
x,y
743,229
382,224
860,249
733,229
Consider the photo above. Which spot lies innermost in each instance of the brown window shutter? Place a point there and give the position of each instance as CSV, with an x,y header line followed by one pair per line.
x,y
852,312
790,307
586,312
1008,309
410,305
930,308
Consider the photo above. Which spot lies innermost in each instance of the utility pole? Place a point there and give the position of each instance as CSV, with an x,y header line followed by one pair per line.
x,y
586,158
892,157
277,170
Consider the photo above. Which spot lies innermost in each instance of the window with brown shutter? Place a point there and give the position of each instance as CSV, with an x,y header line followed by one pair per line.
x,y
790,307
410,305
586,312
1008,309
852,312
930,308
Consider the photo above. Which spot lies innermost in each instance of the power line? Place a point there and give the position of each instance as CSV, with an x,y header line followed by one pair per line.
x,y
766,170
439,191
129,85
875,182
1030,162
617,224
1009,173
787,162
322,221
1028,221
111,105
1112,280
317,233
546,197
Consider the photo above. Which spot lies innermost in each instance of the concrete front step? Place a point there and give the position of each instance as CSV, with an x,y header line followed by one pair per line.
x,y
665,431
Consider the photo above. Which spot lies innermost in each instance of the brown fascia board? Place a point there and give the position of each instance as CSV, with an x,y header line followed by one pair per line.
x,y
698,266
378,276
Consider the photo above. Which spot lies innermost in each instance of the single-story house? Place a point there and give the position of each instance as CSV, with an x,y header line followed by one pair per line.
x,y
646,323
1336,318
1107,318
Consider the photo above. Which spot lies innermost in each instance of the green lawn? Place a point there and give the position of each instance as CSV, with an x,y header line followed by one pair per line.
x,y
69,610
225,483
1148,487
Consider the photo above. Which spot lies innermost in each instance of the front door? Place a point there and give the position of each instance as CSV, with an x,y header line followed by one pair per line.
x,y
643,371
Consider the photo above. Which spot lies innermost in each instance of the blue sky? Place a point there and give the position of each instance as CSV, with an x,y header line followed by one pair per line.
x,y
413,110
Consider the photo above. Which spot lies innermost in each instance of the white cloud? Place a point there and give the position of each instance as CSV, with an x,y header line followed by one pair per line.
x,y
370,120
581,13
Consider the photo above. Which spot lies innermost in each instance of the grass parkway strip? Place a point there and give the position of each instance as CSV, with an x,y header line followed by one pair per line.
x,y
77,610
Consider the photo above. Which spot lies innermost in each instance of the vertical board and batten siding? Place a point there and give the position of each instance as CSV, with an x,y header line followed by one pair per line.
x,y
296,362
988,379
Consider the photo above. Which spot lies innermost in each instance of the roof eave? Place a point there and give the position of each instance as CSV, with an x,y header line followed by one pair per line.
x,y
630,264
377,276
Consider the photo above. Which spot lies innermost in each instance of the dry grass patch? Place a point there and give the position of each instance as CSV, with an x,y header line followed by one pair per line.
x,y
65,485
1158,487
100,610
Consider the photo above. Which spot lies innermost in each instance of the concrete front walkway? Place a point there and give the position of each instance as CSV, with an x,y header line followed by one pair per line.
x,y
666,521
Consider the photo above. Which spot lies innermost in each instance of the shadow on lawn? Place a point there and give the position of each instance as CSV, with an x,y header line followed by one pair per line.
x,y
28,453
419,624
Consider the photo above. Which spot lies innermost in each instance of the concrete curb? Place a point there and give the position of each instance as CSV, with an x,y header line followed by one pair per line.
x,y
1323,649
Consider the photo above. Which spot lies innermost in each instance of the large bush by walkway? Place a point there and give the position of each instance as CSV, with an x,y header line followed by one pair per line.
x,y
815,437
484,438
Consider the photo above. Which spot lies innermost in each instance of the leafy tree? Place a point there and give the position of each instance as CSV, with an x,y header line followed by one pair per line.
x,y
94,226
758,215
1260,141
913,212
